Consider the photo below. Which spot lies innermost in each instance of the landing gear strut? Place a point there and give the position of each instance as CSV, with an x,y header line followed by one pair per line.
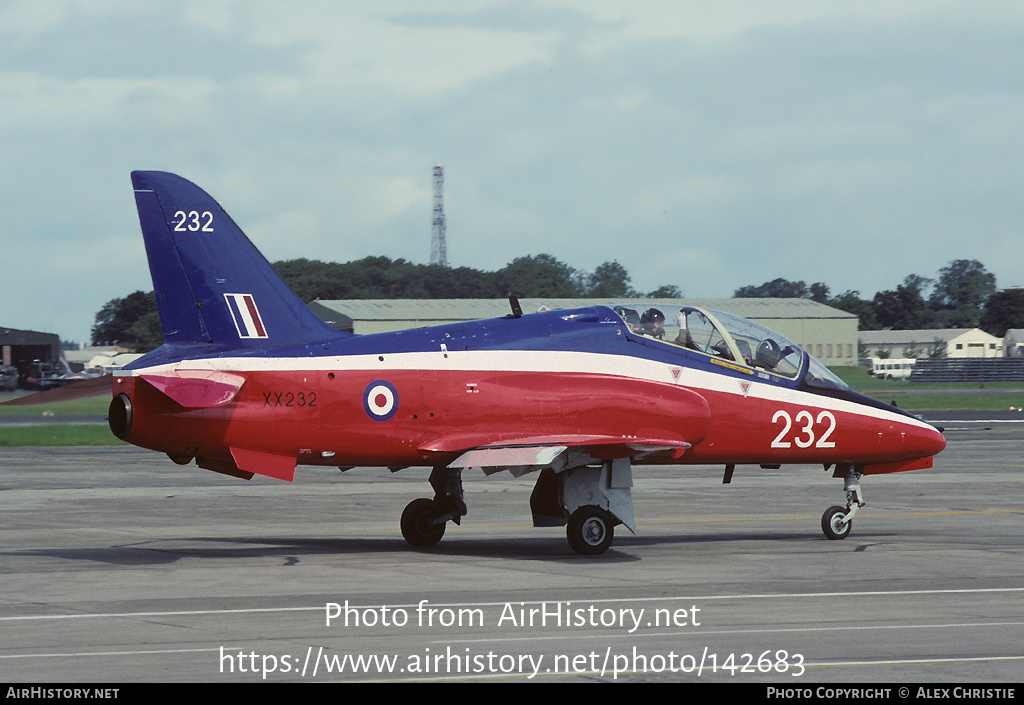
x,y
423,521
837,521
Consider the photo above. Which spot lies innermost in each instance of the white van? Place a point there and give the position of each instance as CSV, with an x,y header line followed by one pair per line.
x,y
891,368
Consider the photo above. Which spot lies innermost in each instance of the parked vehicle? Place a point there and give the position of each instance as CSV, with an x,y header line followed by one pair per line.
x,y
8,378
891,368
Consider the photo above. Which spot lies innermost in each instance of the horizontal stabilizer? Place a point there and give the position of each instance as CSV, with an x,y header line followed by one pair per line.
x,y
197,389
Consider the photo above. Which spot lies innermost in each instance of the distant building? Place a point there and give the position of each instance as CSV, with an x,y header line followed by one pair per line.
x,y
88,357
949,342
20,348
1013,342
827,333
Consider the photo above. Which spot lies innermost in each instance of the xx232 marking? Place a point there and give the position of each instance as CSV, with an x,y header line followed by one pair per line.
x,y
289,399
805,435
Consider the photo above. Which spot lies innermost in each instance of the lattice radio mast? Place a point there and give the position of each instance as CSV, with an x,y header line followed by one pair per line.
x,y
438,249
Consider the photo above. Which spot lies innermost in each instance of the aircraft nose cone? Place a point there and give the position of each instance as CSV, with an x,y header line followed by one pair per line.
x,y
927,440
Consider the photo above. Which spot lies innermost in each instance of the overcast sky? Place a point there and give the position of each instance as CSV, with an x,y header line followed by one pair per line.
x,y
708,145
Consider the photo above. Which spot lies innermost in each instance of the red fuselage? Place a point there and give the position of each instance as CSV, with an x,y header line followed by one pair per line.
x,y
362,411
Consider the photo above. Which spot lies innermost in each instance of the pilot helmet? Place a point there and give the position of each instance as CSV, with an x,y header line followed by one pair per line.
x,y
652,315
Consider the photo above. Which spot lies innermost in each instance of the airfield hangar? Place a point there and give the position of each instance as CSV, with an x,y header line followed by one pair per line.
x,y
20,348
827,333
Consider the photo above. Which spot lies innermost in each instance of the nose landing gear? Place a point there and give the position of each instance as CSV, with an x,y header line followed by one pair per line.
x,y
837,521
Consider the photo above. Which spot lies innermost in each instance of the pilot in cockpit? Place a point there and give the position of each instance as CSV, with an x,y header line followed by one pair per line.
x,y
653,323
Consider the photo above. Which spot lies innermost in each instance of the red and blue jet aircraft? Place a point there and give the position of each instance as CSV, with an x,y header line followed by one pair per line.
x,y
249,381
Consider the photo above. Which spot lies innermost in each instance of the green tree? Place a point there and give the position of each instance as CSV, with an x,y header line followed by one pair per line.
x,y
116,320
851,302
1003,310
609,281
963,285
666,291
903,308
146,332
775,289
538,277
819,292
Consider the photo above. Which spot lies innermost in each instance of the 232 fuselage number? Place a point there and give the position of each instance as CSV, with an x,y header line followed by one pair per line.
x,y
809,431
193,221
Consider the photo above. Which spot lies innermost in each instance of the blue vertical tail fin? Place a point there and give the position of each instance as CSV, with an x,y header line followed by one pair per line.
x,y
212,285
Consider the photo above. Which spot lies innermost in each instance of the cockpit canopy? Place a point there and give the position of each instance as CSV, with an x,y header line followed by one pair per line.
x,y
728,337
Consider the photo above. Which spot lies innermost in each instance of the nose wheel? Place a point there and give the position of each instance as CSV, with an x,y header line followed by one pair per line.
x,y
834,523
837,521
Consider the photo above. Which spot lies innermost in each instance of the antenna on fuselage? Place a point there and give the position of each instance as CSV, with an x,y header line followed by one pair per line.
x,y
517,310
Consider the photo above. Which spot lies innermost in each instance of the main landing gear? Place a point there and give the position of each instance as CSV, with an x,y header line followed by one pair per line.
x,y
423,520
591,502
590,530
588,496
837,521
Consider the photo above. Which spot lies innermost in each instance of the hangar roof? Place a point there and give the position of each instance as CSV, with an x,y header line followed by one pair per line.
x,y
909,337
13,336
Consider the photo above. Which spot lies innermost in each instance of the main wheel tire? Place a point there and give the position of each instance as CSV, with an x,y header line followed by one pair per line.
x,y
833,525
590,531
416,526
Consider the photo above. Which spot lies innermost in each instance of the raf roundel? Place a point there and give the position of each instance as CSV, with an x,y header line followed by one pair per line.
x,y
380,400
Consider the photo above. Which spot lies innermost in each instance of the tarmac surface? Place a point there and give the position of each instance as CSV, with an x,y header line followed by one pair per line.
x,y
119,566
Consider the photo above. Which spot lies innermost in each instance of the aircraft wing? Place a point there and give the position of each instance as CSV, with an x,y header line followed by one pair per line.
x,y
541,451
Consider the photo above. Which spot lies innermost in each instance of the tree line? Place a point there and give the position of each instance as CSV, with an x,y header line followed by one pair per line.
x,y
963,295
133,321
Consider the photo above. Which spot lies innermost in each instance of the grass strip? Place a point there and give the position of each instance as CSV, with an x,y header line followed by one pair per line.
x,y
58,434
